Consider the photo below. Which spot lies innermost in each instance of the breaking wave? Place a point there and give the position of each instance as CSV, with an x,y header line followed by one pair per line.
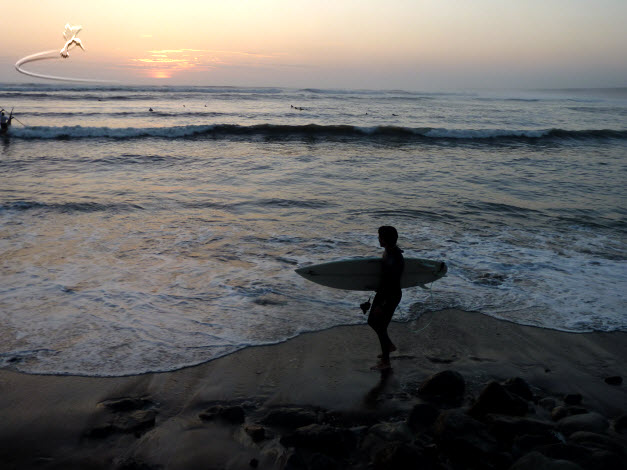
x,y
287,132
66,207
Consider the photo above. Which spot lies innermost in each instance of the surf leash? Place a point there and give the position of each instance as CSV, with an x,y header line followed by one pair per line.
x,y
431,301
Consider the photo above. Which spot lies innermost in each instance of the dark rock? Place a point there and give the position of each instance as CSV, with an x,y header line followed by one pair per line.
x,y
254,463
257,433
422,416
290,418
548,403
295,462
506,428
585,457
566,451
133,464
349,418
499,460
137,422
440,360
463,438
399,456
614,380
620,424
519,387
323,462
127,404
398,431
381,434
573,399
100,432
447,386
592,422
537,461
561,412
526,443
598,441
359,431
230,414
605,459
321,438
494,398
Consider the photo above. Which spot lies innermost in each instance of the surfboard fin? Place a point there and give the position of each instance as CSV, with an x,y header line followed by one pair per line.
x,y
365,306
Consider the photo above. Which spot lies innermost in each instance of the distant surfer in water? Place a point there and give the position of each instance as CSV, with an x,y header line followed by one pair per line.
x,y
388,295
5,122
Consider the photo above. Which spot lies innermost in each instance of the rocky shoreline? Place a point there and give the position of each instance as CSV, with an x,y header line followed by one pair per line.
x,y
509,425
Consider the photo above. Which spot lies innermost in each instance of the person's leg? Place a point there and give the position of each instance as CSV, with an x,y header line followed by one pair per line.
x,y
384,339
379,319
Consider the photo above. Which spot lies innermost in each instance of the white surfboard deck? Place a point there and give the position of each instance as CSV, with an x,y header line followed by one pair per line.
x,y
364,274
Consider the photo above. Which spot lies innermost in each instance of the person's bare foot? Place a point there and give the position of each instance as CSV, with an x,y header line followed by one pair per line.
x,y
382,366
392,349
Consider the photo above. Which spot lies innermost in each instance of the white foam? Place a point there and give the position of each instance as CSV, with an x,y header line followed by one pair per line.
x,y
567,290
51,132
484,133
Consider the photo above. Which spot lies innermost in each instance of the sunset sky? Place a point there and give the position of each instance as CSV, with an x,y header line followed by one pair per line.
x,y
407,44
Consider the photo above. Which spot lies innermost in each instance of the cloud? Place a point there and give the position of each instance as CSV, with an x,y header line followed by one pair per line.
x,y
165,63
176,51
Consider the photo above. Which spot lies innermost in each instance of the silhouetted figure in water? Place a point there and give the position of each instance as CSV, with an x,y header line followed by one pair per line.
x,y
5,122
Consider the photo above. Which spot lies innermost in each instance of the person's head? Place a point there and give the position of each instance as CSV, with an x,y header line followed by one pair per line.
x,y
387,236
2,113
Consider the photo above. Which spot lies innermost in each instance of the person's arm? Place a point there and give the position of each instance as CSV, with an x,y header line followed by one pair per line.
x,y
391,272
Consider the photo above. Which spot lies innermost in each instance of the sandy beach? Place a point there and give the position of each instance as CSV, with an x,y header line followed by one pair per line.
x,y
192,418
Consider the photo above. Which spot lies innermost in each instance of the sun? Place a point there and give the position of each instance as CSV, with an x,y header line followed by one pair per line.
x,y
160,74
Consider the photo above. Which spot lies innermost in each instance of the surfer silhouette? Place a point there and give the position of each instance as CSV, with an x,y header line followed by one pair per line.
x,y
388,295
5,121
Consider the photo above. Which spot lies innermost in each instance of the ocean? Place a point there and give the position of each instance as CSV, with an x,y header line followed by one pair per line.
x,y
147,229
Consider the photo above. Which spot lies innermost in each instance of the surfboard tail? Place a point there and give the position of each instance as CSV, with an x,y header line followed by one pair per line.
x,y
443,269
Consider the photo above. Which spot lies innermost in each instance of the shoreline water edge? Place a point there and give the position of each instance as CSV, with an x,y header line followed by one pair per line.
x,y
466,391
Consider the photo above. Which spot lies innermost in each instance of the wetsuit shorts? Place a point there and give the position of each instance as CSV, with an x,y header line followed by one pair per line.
x,y
387,301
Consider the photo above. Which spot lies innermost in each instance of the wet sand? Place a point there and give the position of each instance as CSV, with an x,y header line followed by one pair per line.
x,y
64,421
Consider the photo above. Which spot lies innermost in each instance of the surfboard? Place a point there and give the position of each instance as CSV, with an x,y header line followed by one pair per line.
x,y
365,273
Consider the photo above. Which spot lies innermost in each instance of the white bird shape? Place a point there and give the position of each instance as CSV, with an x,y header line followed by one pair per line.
x,y
71,39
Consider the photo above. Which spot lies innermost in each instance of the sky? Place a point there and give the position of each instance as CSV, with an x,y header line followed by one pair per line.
x,y
365,44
